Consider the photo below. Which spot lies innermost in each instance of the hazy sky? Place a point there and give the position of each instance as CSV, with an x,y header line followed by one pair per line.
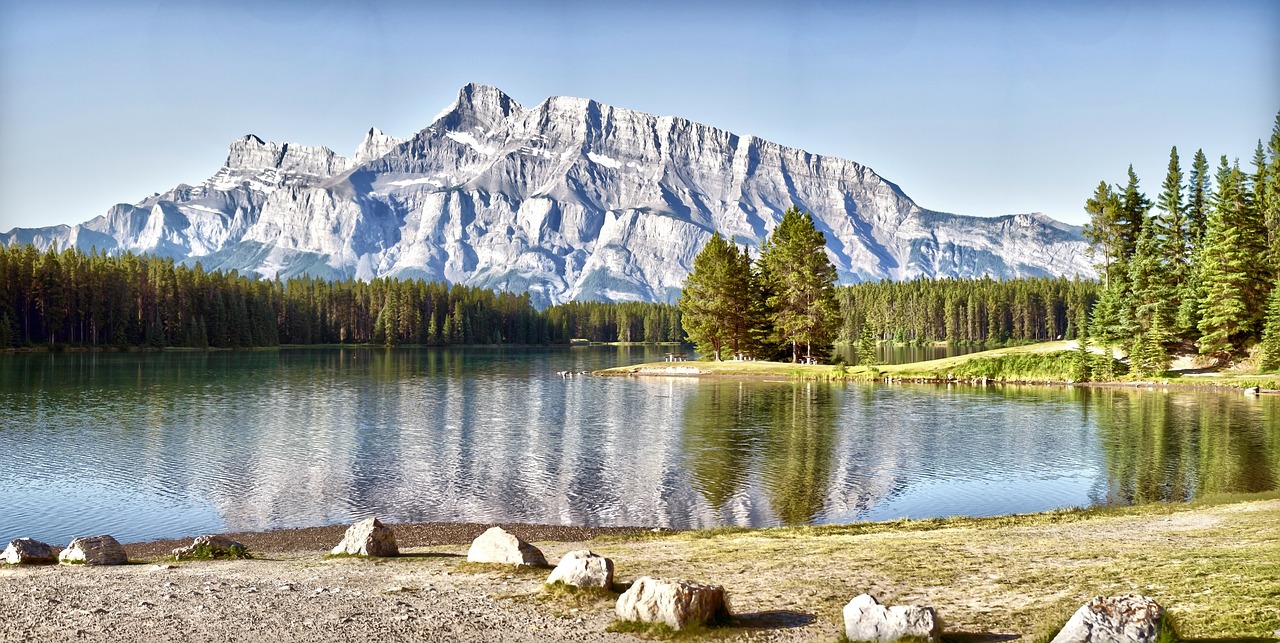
x,y
974,108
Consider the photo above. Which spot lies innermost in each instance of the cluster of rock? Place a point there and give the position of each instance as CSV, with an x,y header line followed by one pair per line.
x,y
1130,618
90,550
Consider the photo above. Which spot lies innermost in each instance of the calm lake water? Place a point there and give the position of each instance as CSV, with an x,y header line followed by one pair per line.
x,y
156,445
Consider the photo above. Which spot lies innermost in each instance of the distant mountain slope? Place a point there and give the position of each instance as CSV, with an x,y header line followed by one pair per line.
x,y
569,199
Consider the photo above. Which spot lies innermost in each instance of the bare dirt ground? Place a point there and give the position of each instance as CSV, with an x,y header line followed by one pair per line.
x,y
1216,568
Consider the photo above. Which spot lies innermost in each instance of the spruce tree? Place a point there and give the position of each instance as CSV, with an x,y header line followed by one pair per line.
x,y
717,300
1172,222
1269,359
867,344
1081,360
1229,270
1134,206
801,281
1269,199
1150,289
1198,200
1102,231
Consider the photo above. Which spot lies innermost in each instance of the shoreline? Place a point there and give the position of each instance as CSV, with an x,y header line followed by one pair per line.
x,y
990,579
408,535
692,372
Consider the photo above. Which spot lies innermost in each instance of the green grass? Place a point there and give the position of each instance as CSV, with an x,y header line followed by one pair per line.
x,y
466,567
1214,564
1032,363
664,632
578,597
205,552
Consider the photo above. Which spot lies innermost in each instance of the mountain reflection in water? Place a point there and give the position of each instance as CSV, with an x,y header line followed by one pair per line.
x,y
148,445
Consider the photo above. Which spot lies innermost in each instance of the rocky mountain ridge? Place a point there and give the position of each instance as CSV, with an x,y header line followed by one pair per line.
x,y
569,199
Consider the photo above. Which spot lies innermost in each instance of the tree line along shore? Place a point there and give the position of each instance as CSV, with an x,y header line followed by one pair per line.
x,y
69,298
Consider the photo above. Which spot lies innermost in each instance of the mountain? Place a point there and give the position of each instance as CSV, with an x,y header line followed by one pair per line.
x,y
569,199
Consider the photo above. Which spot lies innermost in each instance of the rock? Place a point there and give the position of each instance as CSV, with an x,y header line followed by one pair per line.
x,y
1115,619
369,537
94,550
865,619
677,603
25,551
583,568
498,546
210,546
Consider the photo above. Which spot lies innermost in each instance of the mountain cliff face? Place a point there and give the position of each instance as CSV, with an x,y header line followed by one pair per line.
x,y
569,199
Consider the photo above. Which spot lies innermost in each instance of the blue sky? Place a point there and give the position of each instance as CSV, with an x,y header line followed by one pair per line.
x,y
979,108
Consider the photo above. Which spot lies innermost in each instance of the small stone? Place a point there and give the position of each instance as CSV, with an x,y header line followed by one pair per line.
x,y
677,603
368,537
583,568
210,546
158,568
865,619
94,550
26,551
499,546
1131,618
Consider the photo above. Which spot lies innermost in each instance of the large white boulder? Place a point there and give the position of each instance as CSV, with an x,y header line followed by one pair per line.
x,y
1130,618
369,537
677,603
94,550
865,619
25,551
583,568
499,546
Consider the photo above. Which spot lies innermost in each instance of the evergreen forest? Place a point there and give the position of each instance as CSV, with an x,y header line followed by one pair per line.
x,y
1196,269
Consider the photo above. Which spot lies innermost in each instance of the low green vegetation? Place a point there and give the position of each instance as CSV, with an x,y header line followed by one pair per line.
x,y
1047,362
205,551
664,632
578,597
468,567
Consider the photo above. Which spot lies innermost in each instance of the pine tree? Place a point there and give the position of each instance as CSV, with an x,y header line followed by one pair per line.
x,y
1269,360
867,344
1134,206
1229,310
718,299
801,281
1172,223
1197,201
1269,199
1081,360
1102,231
1150,287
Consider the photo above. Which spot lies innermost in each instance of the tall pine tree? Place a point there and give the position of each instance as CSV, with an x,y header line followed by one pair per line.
x,y
719,299
1231,305
801,281
1198,200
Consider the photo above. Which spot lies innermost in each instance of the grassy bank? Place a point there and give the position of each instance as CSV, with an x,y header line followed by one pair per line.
x,y
1215,565
1046,362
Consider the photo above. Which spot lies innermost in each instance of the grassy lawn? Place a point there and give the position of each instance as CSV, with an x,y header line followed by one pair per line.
x,y
1215,567
1029,363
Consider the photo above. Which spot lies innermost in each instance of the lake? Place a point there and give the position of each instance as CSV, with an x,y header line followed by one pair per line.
x,y
151,445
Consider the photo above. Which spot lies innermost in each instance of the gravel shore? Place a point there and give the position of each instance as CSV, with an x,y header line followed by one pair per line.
x,y
290,591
